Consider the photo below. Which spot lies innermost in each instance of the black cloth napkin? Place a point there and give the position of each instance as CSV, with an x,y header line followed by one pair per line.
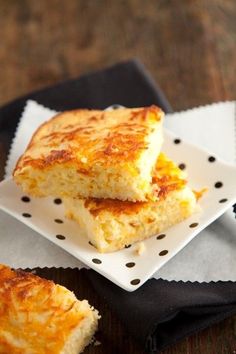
x,y
128,84
160,312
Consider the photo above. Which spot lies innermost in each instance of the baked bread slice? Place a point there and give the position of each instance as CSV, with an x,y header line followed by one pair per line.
x,y
40,317
91,153
112,224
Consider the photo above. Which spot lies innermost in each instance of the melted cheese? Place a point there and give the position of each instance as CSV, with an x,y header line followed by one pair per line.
x,y
77,152
36,315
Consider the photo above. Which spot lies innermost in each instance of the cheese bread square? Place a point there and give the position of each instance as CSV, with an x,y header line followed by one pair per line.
x,y
93,154
40,317
112,224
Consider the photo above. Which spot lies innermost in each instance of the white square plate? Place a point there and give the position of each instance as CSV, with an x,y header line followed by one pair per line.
x,y
125,268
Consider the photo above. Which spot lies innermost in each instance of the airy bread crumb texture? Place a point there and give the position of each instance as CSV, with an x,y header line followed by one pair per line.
x,y
112,224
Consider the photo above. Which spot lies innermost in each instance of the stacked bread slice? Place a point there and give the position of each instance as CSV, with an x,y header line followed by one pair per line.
x,y
108,168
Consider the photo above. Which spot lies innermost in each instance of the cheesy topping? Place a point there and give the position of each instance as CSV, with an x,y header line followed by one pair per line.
x,y
36,315
96,137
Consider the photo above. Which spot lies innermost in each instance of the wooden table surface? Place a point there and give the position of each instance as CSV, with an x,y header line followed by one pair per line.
x,y
188,46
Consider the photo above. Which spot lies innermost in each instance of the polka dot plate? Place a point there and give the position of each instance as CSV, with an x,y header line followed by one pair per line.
x,y
126,268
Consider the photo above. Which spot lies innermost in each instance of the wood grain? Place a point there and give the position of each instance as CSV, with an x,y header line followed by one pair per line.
x,y
188,46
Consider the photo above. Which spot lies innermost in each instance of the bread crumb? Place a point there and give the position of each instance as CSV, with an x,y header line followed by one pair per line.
x,y
140,248
84,159
97,343
200,193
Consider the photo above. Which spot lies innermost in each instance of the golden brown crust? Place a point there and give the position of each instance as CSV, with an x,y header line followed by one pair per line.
x,y
102,137
32,313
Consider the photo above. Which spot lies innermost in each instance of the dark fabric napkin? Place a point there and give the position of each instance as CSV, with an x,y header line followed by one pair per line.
x,y
127,84
160,312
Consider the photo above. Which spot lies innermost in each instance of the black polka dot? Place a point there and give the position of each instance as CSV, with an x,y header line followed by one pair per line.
x,y
194,224
163,253
218,184
182,166
57,201
25,199
211,159
96,261
135,281
130,264
161,236
127,246
60,237
26,215
223,200
177,141
58,221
